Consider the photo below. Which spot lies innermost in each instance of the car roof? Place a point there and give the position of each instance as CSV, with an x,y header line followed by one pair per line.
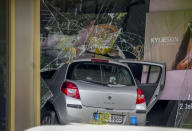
x,y
118,60
113,61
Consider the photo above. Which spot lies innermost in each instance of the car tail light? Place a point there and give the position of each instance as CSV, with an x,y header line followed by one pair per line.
x,y
99,60
70,89
140,96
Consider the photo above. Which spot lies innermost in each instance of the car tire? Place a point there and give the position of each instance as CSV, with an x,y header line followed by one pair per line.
x,y
49,117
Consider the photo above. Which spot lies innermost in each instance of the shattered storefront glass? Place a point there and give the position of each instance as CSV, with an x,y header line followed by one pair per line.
x,y
72,29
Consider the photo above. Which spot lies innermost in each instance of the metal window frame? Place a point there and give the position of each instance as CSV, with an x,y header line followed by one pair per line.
x,y
36,52
36,57
11,115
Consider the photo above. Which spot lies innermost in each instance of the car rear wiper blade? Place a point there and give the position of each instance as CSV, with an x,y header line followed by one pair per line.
x,y
95,82
116,85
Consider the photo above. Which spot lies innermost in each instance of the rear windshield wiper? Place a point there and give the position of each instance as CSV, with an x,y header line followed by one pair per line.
x,y
95,82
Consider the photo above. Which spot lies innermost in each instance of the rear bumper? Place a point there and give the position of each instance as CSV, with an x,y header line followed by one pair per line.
x,y
73,111
85,115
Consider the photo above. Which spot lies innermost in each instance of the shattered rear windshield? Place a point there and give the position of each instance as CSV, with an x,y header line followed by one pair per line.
x,y
100,72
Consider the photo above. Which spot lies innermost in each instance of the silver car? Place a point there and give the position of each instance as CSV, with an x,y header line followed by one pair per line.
x,y
102,91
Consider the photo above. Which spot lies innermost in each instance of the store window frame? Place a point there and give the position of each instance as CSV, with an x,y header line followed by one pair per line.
x,y
11,115
10,64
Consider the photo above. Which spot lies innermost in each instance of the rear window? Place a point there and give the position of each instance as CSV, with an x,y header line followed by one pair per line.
x,y
100,72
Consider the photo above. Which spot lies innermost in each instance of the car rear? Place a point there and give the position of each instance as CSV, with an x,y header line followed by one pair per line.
x,y
100,91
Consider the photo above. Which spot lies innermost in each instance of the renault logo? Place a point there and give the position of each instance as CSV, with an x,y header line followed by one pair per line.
x,y
109,97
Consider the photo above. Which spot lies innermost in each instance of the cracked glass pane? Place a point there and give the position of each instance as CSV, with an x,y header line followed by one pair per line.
x,y
72,29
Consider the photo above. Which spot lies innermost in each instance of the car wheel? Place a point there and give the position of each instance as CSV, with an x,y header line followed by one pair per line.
x,y
49,117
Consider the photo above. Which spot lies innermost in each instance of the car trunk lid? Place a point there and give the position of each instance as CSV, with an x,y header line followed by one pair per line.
x,y
112,97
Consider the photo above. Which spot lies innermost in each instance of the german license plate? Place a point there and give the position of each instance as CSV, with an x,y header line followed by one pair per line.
x,y
108,118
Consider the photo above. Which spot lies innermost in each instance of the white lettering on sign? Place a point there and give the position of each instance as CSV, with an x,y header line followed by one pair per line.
x,y
164,40
185,106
